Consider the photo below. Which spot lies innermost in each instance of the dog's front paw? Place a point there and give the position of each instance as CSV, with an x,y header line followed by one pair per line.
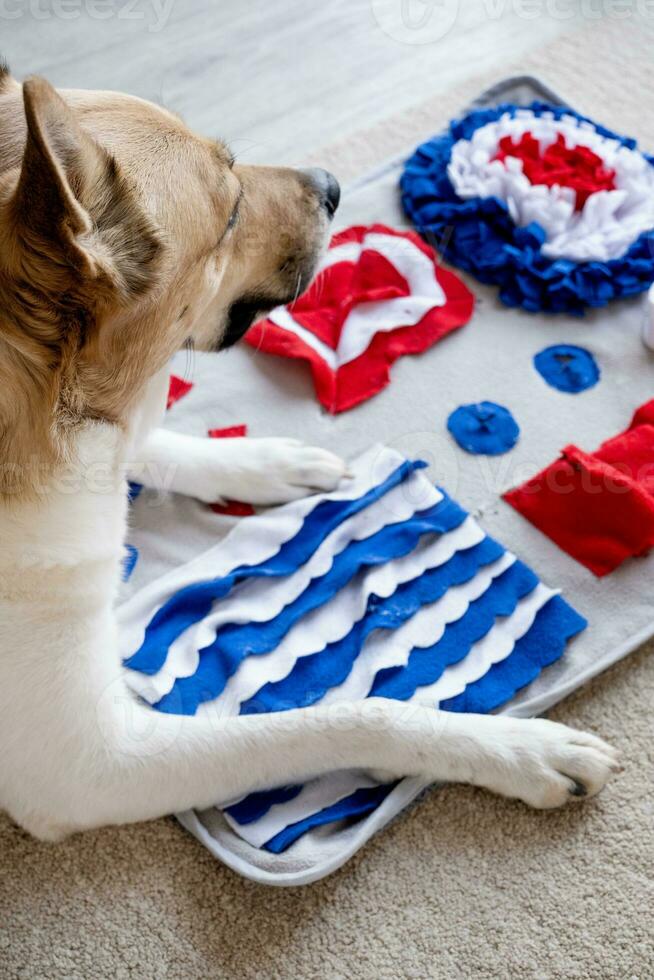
x,y
273,471
547,765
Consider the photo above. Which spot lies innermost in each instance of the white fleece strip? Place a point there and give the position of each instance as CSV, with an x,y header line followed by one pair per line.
x,y
346,252
368,319
260,600
409,260
334,620
252,540
315,796
609,222
497,645
383,649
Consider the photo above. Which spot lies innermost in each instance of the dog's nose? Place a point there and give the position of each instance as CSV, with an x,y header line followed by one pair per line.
x,y
327,188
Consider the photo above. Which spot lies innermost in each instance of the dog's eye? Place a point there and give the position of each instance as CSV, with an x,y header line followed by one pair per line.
x,y
233,218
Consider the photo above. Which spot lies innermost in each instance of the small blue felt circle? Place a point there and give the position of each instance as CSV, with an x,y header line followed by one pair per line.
x,y
484,428
567,368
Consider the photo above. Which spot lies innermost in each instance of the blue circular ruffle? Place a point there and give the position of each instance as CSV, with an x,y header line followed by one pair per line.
x,y
479,235
567,368
484,428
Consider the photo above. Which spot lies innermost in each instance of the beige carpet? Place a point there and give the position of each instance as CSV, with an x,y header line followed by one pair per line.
x,y
462,886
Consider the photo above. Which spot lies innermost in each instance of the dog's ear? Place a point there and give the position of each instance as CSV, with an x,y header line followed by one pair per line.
x,y
76,218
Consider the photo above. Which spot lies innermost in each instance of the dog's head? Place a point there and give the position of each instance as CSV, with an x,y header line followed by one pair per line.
x,y
123,236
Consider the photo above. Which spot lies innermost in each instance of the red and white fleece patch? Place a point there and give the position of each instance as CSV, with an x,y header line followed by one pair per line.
x,y
559,165
379,294
590,194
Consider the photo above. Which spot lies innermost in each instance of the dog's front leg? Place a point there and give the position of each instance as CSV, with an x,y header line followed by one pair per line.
x,y
159,764
259,471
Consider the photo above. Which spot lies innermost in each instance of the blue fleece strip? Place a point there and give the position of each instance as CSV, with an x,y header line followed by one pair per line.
x,y
234,642
361,802
256,805
554,626
426,664
130,559
192,603
544,643
314,675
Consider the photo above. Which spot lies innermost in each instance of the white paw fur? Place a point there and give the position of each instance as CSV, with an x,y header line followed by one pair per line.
x,y
546,764
266,471
256,471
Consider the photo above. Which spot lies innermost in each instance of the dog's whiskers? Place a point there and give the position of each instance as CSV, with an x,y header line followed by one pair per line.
x,y
297,287
189,362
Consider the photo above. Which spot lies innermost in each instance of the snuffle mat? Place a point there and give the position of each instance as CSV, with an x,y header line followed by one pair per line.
x,y
504,559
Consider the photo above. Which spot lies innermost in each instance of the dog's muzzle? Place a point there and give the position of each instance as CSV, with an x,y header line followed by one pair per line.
x,y
243,313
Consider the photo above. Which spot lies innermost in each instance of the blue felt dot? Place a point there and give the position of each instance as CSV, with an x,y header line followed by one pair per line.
x,y
567,368
484,428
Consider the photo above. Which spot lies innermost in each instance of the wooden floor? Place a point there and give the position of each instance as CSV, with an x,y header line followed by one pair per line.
x,y
277,78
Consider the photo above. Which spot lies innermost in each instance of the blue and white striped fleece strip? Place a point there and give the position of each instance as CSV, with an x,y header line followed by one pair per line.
x,y
385,587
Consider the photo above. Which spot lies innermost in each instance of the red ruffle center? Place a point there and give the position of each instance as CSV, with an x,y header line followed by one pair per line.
x,y
576,167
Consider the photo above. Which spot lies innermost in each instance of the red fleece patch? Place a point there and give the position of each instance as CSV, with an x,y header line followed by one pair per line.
x,y
598,507
177,389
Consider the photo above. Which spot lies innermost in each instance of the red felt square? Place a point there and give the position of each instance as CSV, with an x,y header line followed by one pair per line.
x,y
632,453
598,507
643,415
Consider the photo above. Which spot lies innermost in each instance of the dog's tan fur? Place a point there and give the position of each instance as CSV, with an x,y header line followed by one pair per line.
x,y
106,269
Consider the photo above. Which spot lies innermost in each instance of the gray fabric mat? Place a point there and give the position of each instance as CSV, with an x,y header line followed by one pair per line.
x,y
489,359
